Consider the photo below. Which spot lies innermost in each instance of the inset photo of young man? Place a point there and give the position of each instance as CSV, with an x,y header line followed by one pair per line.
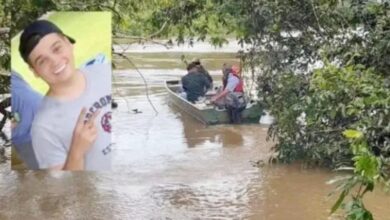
x,y
61,92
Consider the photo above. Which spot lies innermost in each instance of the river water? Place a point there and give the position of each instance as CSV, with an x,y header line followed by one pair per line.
x,y
169,166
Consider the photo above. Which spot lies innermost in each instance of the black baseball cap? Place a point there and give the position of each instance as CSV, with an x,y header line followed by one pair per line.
x,y
33,33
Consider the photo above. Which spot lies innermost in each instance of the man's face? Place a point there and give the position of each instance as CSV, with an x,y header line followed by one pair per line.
x,y
52,59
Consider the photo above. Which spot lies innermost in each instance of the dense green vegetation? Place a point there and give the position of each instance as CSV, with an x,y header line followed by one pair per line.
x,y
322,69
5,18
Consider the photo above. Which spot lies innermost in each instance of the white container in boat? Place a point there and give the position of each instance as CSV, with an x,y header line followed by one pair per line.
x,y
266,119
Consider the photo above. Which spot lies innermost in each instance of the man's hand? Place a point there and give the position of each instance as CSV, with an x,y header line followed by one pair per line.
x,y
213,99
84,135
218,96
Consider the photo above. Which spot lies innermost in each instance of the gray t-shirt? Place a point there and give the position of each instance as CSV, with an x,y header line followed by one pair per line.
x,y
53,126
232,82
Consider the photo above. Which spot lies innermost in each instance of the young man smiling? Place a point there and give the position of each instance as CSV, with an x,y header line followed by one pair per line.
x,y
71,130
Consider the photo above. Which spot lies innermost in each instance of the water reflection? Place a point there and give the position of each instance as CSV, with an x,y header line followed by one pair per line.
x,y
197,134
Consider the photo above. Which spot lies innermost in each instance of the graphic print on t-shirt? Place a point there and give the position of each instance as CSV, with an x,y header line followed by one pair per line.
x,y
101,103
106,122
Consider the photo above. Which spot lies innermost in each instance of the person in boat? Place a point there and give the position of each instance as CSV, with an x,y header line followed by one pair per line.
x,y
64,132
203,71
232,93
194,83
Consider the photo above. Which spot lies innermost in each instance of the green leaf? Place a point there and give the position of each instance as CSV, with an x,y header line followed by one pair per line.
x,y
352,134
338,202
367,166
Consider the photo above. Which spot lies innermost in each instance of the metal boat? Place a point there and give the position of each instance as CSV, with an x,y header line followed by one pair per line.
x,y
205,111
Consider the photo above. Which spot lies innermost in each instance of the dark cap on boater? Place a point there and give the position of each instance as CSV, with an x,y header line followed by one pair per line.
x,y
33,33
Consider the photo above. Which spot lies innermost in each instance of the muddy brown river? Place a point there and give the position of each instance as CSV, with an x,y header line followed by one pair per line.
x,y
169,166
